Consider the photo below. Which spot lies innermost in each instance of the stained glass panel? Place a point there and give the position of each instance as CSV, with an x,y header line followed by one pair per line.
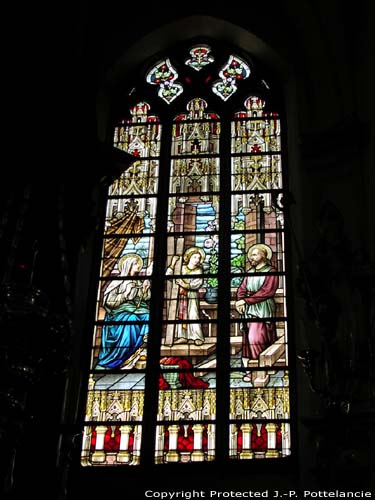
x,y
192,442
249,349
190,306
241,242
122,313
198,213
258,332
197,111
196,132
265,439
115,410
121,333
199,57
140,179
196,175
108,444
124,292
194,138
253,135
187,385
142,249
139,135
255,130
189,397
115,396
256,173
185,395
265,397
234,71
164,75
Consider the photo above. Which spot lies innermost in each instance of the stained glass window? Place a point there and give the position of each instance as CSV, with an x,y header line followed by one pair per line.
x,y
202,205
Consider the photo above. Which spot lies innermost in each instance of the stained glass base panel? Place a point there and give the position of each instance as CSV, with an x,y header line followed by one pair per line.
x,y
254,440
193,442
106,444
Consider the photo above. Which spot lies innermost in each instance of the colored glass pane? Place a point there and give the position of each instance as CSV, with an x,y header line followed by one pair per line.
x,y
267,397
192,442
139,135
108,444
250,440
199,57
164,75
185,395
234,71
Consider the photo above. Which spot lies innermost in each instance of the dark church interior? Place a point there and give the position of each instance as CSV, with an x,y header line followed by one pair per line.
x,y
76,63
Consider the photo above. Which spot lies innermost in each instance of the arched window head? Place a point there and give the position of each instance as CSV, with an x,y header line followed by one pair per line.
x,y
189,355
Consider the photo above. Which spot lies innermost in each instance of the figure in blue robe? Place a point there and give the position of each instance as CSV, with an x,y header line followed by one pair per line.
x,y
125,301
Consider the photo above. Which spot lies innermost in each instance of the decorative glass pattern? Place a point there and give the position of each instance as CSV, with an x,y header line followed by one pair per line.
x,y
235,70
192,442
259,440
115,410
199,57
109,444
268,399
140,134
164,75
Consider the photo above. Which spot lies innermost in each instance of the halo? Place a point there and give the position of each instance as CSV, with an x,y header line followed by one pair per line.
x,y
192,250
261,246
129,256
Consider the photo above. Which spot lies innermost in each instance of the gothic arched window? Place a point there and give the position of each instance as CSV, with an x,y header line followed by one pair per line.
x,y
189,353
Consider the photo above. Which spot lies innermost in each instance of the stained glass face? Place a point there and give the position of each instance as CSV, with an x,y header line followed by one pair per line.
x,y
173,213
